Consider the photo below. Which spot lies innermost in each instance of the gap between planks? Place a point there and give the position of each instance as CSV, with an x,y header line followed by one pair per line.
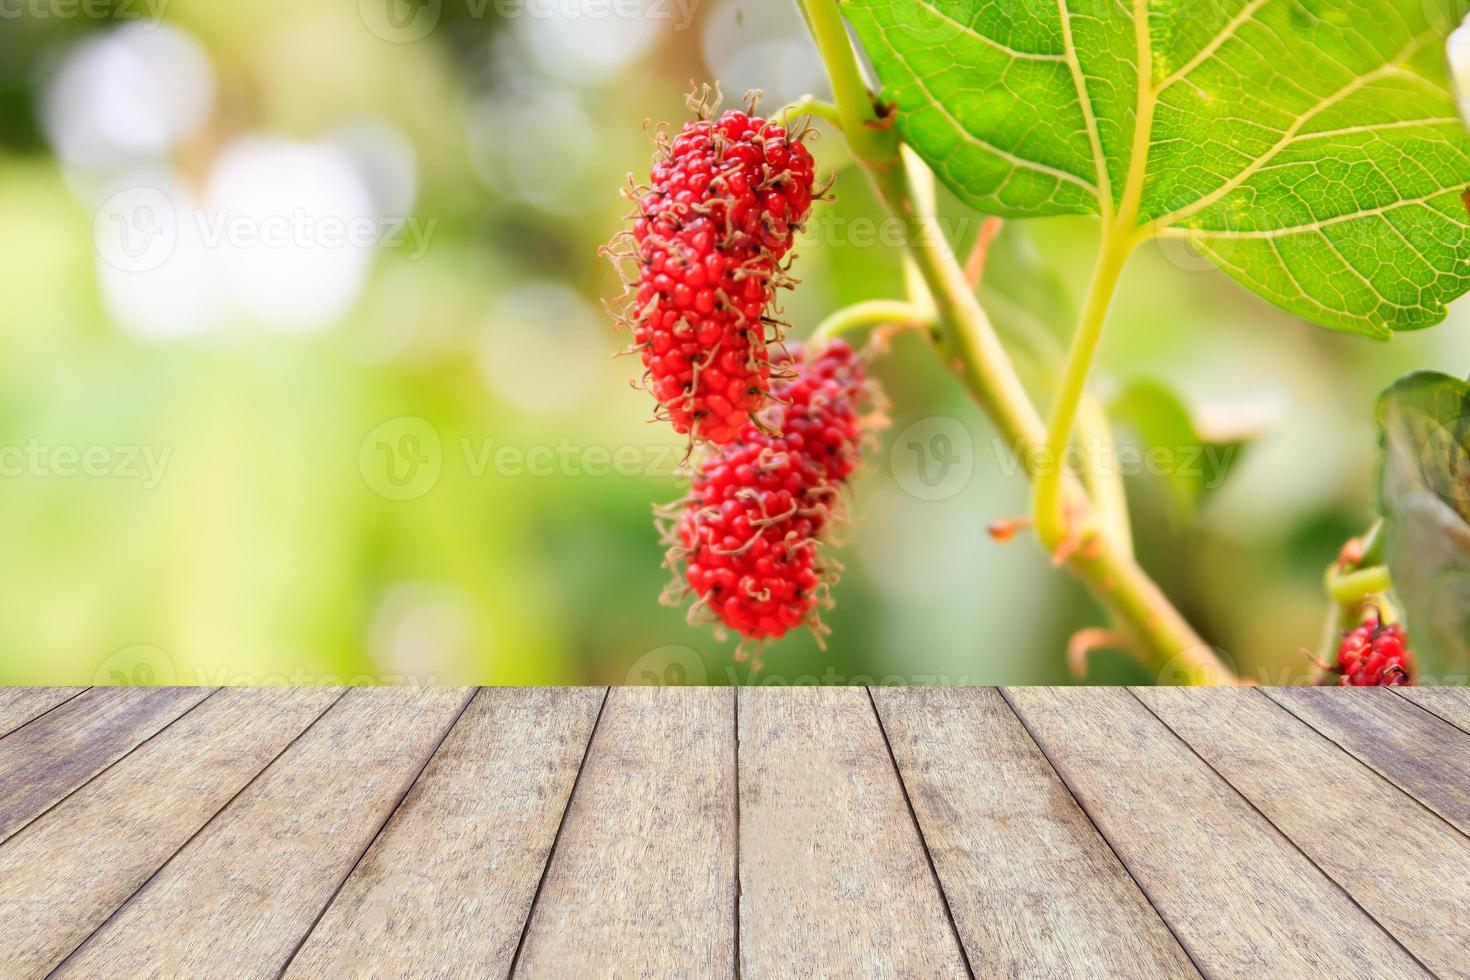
x,y
387,819
556,838
198,831
908,801
1283,831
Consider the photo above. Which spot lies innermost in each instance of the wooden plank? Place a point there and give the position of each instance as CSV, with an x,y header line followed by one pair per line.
x,y
1240,897
1424,755
642,879
447,887
834,880
1035,891
71,868
43,762
238,899
19,705
1452,704
1403,864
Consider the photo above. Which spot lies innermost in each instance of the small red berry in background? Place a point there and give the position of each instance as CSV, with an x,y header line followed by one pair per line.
x,y
725,199
1374,654
747,539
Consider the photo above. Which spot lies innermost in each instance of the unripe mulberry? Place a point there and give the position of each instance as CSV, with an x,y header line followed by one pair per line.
x,y
746,541
725,199
1374,654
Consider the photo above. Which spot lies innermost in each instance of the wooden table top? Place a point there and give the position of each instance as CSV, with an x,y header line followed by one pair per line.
x,y
704,832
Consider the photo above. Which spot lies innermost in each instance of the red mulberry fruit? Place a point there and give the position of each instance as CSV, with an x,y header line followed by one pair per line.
x,y
1374,654
748,534
725,200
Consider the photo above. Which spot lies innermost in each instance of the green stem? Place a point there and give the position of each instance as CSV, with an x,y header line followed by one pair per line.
x,y
1052,523
969,345
808,106
873,143
1351,587
1105,485
871,313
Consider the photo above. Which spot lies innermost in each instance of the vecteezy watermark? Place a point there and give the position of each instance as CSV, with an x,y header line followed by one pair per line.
x,y
670,666
832,230
1444,460
405,21
301,676
403,459
149,12
43,461
933,458
1202,664
832,677
1208,463
136,666
567,458
680,666
137,229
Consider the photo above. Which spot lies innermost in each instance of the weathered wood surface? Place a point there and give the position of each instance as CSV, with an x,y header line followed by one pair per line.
x,y
817,897
1035,890
45,760
708,832
19,705
452,876
1419,751
642,879
1448,703
239,897
1341,818
1241,898
104,841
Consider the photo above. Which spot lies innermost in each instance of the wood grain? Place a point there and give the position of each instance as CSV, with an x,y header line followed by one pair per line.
x,y
19,705
447,887
1392,855
1240,897
238,899
642,880
103,841
1426,756
1035,891
834,877
43,762
1449,703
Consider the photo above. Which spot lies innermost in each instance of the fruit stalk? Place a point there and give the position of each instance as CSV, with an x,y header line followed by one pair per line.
x,y
971,348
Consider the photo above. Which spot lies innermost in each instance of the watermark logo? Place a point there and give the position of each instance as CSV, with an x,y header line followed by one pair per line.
x,y
933,459
1445,463
670,666
43,461
136,666
136,230
401,459
1196,665
400,21
149,12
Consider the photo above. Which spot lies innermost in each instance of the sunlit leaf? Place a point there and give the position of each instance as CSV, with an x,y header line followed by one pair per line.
x,y
1311,148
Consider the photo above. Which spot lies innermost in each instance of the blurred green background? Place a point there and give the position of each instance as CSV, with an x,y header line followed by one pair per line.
x,y
304,374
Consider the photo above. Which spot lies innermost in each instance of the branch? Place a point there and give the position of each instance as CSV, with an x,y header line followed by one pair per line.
x,y
968,343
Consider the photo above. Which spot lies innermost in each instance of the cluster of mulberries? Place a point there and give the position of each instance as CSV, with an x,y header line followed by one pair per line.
x,y
1374,654
725,198
746,540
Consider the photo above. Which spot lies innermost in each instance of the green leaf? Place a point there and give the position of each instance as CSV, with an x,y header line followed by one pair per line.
x,y
1424,419
1311,148
1196,460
